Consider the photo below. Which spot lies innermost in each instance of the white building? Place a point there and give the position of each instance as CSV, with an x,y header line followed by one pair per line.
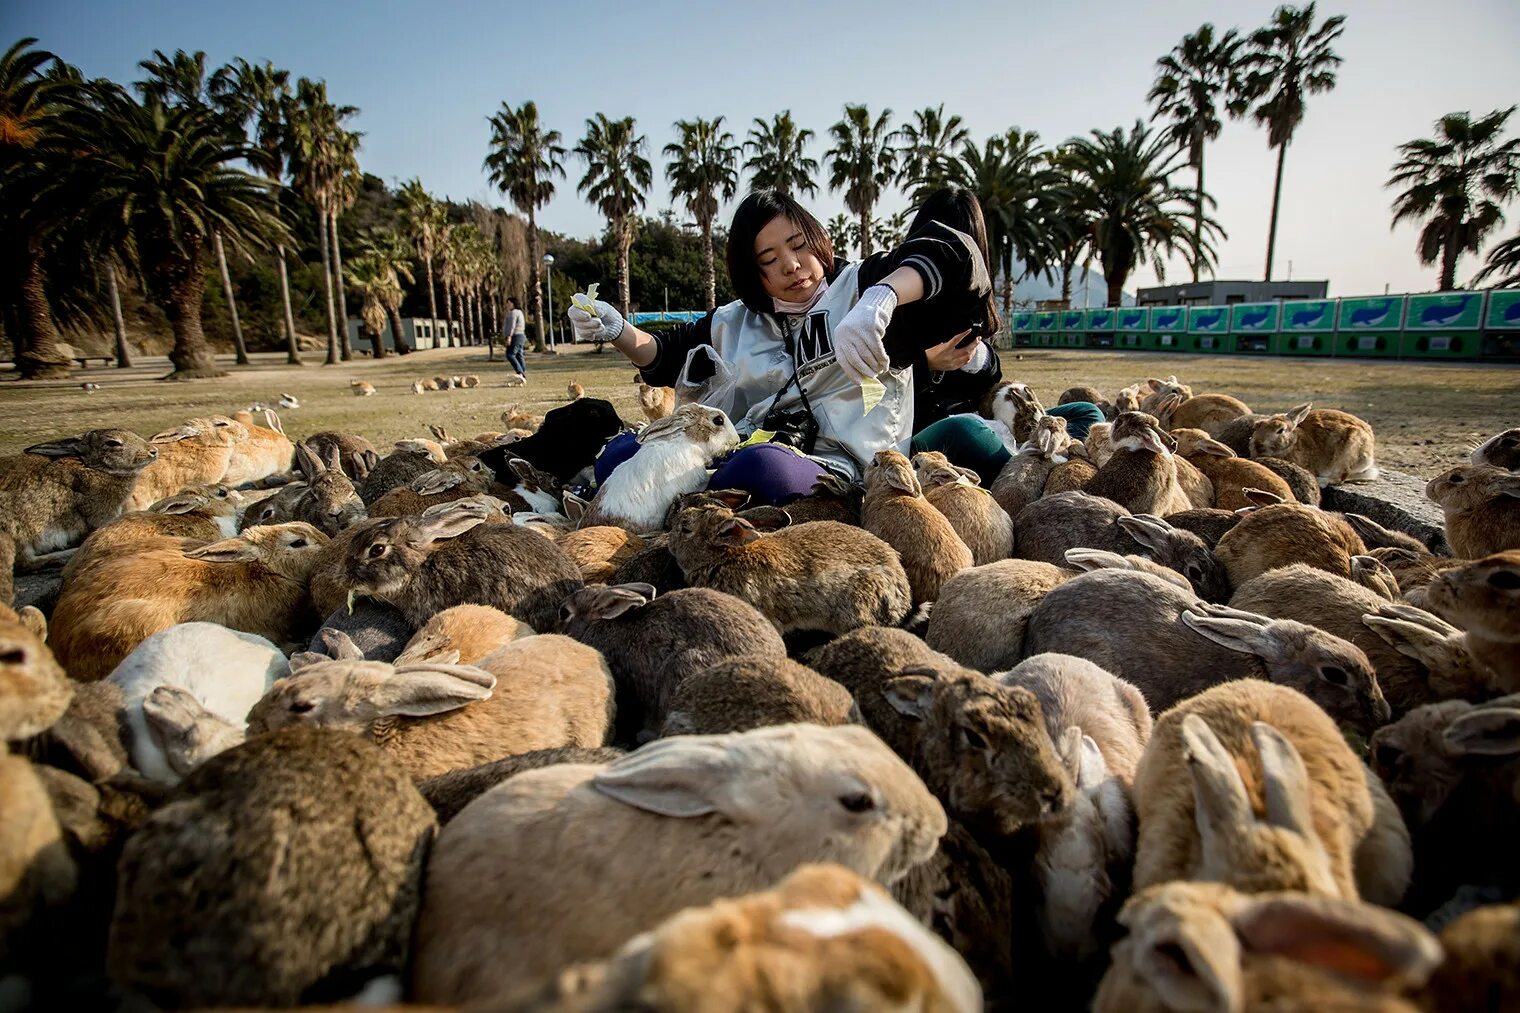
x,y
419,332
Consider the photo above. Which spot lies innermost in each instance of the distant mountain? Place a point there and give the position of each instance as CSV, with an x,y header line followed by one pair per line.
x,y
1037,289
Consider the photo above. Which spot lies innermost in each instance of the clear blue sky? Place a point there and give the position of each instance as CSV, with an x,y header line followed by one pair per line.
x,y
426,76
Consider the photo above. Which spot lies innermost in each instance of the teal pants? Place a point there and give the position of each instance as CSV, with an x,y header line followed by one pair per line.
x,y
970,443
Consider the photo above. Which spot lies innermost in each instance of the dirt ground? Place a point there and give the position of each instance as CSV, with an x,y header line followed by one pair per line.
x,y
1427,415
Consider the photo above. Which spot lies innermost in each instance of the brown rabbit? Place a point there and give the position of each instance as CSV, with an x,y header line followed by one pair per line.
x,y
197,452
1484,598
1500,451
957,493
1336,446
1162,397
329,502
205,514
1209,412
1229,474
1482,507
267,451
1015,406
1141,476
356,455
656,402
55,493
1287,533
256,582
896,511
460,478
822,575
515,418
575,390
1027,473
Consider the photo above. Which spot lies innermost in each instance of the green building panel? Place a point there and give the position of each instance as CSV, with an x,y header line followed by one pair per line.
x,y
1440,345
1048,322
1135,341
1313,315
1305,343
1169,319
1101,319
1370,315
1208,320
1133,319
1169,342
1072,320
1023,322
1255,317
1445,311
1373,345
1503,310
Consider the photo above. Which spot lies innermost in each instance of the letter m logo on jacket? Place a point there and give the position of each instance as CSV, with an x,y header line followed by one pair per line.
x,y
813,338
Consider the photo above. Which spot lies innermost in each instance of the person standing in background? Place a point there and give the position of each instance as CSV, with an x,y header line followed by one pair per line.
x,y
517,338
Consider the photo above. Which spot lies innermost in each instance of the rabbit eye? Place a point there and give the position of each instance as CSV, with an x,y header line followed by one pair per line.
x,y
299,543
1505,580
857,802
302,707
565,613
1194,574
972,739
14,656
1335,676
1457,479
376,551
1388,757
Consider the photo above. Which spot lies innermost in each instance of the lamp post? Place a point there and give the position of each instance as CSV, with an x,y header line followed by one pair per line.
x,y
549,324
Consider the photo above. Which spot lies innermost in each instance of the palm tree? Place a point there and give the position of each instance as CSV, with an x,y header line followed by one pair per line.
x,y
1122,186
261,93
1457,183
862,163
523,161
314,151
346,147
779,160
154,183
929,145
617,174
1502,266
1283,63
391,255
33,146
844,232
424,218
371,282
703,169
1190,82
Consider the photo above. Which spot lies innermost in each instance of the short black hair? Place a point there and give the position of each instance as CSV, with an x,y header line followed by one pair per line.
x,y
958,208
754,213
513,300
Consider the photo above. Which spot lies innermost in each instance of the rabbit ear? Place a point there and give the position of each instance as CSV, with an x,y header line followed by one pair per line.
x,y
274,421
1221,806
420,690
970,476
229,550
1424,637
620,599
670,427
734,499
1092,768
1235,634
431,483
1096,559
1262,498
1191,962
181,504
307,460
735,531
912,696
72,447
680,777
302,659
439,433
445,524
1357,940
1297,415
575,507
522,469
1485,731
338,645
185,432
1149,530
767,518
830,484
1287,789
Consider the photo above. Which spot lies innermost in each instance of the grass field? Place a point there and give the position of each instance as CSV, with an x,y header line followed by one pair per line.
x,y
1426,414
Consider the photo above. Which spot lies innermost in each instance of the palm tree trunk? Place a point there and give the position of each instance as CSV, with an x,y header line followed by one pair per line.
x,y
377,341
1450,250
491,334
237,327
432,299
292,349
337,256
865,232
1198,223
625,243
332,313
480,317
709,273
448,313
191,355
123,353
37,352
538,289
398,336
1007,292
1067,266
1115,279
1276,199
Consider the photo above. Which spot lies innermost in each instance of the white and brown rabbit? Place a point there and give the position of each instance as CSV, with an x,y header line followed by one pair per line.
x,y
672,459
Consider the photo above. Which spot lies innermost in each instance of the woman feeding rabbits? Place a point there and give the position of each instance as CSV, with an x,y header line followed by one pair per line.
x,y
800,361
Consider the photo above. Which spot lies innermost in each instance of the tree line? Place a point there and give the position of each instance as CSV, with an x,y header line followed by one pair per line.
x,y
155,183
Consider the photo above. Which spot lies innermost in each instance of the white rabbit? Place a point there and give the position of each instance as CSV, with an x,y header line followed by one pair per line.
x,y
672,460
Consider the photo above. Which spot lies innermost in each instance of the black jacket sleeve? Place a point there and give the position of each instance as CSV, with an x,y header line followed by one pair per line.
x,y
937,396
673,346
947,260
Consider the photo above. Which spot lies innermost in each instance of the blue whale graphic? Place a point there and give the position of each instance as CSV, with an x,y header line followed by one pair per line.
x,y
1206,321
1100,320
1046,323
1512,313
1442,315
1252,319
1161,321
1023,323
1309,317
1371,316
1072,320
1133,318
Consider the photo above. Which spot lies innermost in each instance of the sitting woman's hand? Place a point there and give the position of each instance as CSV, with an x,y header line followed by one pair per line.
x,y
607,325
947,358
858,338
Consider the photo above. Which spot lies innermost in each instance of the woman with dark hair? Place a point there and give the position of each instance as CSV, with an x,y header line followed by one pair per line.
x,y
794,357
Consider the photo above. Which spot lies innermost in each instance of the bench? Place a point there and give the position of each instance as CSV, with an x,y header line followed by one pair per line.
x,y
85,360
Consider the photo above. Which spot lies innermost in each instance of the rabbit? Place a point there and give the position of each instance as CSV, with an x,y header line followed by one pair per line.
x,y
256,582
361,388
1209,525
896,511
267,451
54,494
655,402
184,731
1141,476
1440,649
1322,831
1086,560
372,629
203,514
515,418
832,498
1072,395
469,381
1025,476
355,454
423,565
329,502
753,691
977,517
297,857
1336,446
1163,396
654,642
1499,451
821,575
1284,534
1236,433
198,452
1208,412
468,631
1300,480
507,901
673,457
458,479
1483,597
1482,508
409,459
1228,474
980,616
599,551
1126,400
1015,407
1172,646
575,391
1375,536
449,793
1070,476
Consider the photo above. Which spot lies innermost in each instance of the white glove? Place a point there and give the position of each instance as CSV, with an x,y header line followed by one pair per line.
x,y
607,325
858,338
